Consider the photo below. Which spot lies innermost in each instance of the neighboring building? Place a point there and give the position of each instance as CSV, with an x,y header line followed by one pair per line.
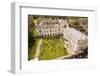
x,y
83,21
30,23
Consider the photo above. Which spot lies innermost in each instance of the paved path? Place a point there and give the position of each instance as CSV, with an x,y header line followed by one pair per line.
x,y
38,49
62,57
70,51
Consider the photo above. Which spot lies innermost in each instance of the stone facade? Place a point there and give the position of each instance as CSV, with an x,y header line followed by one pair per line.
x,y
51,28
75,39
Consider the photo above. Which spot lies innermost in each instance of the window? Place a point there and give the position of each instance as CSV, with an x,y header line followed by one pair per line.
x,y
50,30
39,30
44,31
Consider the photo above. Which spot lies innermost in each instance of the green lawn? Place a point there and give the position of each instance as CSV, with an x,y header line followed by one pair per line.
x,y
33,50
51,48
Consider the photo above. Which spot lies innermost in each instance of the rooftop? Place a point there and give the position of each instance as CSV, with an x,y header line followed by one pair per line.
x,y
75,33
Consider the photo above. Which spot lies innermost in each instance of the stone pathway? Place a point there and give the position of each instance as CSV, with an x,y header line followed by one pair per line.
x,y
38,49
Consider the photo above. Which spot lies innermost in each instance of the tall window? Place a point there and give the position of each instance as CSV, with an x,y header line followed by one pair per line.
x,y
50,30
39,30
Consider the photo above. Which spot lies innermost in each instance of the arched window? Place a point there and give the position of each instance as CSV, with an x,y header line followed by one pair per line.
x,y
44,31
39,30
50,30
64,26
53,34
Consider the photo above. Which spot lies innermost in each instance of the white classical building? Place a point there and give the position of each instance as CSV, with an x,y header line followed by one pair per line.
x,y
72,38
75,39
50,28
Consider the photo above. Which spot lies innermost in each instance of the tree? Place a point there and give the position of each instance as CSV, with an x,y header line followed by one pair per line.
x,y
35,34
31,40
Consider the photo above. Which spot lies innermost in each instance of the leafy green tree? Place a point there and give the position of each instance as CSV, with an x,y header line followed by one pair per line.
x,y
31,40
35,34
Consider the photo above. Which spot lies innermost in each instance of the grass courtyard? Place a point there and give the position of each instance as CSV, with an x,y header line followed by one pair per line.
x,y
51,48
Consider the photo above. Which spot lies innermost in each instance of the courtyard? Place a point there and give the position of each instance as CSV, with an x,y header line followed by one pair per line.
x,y
51,48
47,48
